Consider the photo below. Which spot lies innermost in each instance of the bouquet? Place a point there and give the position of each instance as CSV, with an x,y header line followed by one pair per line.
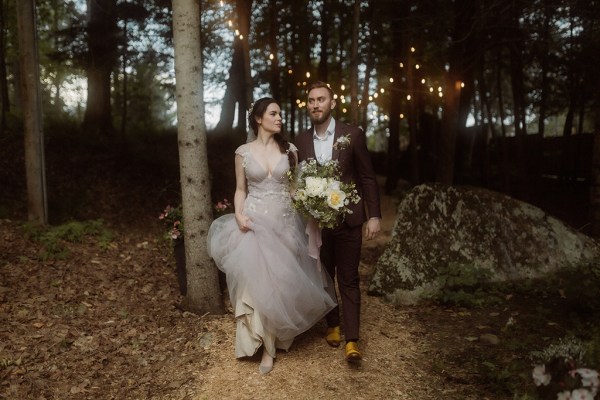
x,y
172,217
321,194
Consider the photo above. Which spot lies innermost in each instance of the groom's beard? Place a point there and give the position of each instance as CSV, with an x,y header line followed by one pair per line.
x,y
319,120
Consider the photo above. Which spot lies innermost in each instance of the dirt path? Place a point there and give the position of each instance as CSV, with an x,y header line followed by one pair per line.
x,y
394,365
104,324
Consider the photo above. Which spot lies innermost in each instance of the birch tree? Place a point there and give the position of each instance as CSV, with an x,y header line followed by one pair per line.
x,y
203,293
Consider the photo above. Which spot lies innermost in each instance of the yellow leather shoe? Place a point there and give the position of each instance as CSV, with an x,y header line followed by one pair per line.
x,y
334,336
352,352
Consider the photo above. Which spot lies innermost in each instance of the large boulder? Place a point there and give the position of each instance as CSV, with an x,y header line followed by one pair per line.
x,y
438,225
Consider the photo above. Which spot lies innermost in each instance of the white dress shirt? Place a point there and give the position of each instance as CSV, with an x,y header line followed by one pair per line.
x,y
324,146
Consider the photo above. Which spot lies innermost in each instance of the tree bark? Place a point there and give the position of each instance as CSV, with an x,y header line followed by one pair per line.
x,y
412,118
32,113
445,172
595,178
203,293
326,23
4,100
273,33
239,84
354,64
102,48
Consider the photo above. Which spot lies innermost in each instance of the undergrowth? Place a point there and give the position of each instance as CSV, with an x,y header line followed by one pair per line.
x,y
54,238
564,304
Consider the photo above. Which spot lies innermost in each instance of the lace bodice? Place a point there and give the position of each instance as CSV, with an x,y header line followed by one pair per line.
x,y
266,192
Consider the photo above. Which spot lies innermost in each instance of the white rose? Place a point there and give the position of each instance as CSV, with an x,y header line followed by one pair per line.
x,y
335,198
315,186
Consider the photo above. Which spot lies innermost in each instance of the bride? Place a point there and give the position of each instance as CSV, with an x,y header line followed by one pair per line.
x,y
275,287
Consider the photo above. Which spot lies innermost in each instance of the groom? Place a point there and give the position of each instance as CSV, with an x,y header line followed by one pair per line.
x,y
340,251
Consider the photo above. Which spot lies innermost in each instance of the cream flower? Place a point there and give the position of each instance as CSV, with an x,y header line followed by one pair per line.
x,y
335,198
315,186
564,395
300,195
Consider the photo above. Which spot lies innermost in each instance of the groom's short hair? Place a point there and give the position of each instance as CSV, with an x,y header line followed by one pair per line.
x,y
320,84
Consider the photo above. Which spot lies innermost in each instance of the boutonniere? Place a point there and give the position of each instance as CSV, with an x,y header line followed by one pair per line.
x,y
342,142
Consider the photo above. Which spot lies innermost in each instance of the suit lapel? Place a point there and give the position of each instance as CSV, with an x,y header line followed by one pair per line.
x,y
310,145
335,152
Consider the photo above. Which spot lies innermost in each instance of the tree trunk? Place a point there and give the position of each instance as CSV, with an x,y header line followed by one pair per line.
x,y
32,113
125,99
326,23
239,84
369,65
203,293
523,190
595,178
445,172
244,10
273,34
393,150
102,48
4,100
354,64
504,171
412,118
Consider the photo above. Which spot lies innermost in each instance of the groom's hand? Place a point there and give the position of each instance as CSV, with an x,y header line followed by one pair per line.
x,y
373,227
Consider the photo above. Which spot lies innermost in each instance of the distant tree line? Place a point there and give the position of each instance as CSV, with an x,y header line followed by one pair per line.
x,y
412,73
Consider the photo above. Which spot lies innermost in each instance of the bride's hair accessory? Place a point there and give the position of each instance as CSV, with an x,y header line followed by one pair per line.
x,y
250,109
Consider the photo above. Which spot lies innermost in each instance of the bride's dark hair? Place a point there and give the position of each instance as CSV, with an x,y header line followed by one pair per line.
x,y
257,110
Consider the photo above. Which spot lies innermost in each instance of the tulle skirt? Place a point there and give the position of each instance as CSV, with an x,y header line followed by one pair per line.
x,y
275,287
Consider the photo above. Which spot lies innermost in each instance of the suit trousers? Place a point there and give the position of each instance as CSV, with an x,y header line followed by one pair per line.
x,y
340,254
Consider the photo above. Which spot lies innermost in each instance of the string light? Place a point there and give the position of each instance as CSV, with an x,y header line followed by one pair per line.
x,y
237,32
230,23
343,87
308,74
430,90
423,81
375,95
241,37
417,66
439,88
370,98
391,80
408,97
344,110
271,56
412,49
401,115
440,94
462,84
290,71
382,90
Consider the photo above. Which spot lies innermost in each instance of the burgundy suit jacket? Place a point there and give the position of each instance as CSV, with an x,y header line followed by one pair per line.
x,y
355,166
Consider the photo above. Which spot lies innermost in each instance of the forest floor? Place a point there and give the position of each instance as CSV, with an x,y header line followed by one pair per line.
x,y
95,319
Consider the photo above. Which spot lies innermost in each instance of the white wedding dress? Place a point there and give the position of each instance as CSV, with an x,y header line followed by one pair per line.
x,y
275,287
